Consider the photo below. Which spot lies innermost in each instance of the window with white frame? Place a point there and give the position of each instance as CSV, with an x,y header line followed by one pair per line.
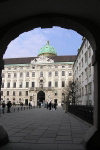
x,y
50,74
8,85
14,85
21,74
56,83
63,73
63,83
9,75
27,74
33,74
41,74
56,73
49,84
20,84
7,93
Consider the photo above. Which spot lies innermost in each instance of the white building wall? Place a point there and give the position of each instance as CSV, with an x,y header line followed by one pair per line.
x,y
84,98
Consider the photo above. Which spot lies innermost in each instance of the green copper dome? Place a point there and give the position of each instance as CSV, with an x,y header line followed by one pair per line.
x,y
47,50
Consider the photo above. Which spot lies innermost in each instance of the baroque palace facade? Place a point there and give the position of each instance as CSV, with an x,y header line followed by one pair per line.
x,y
42,78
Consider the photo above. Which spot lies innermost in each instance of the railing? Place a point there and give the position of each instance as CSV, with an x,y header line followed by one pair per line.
x,y
15,109
83,112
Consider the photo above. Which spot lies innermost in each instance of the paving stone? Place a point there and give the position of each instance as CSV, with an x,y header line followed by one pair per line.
x,y
43,129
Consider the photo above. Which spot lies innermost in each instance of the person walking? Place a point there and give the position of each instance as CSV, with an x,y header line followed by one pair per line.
x,y
3,107
50,105
9,106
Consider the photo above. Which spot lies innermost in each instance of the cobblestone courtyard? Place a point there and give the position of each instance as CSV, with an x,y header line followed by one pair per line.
x,y
43,129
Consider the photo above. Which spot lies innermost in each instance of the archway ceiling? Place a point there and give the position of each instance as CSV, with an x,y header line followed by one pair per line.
x,y
14,10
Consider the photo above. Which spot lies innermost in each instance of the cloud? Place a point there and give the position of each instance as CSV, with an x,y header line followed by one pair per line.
x,y
29,43
26,45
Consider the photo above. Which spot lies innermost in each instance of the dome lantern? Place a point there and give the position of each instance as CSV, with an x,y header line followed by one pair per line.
x,y
47,50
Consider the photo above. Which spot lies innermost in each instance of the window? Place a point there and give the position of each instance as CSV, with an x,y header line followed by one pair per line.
x,y
21,74
82,62
41,83
79,66
20,85
89,48
14,85
9,68
33,84
55,93
82,76
69,66
7,93
49,84
89,88
27,84
33,74
41,67
27,74
50,74
56,66
56,73
3,75
14,93
63,83
8,85
86,72
82,91
26,93
63,73
86,92
63,66
33,67
89,70
2,86
1,93
41,74
20,93
70,73
15,75
86,56
9,75
56,83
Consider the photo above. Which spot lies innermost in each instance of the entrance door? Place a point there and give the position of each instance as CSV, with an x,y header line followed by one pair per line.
x,y
26,101
40,97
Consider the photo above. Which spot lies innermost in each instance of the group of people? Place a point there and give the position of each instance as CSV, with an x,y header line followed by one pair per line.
x,y
49,105
9,104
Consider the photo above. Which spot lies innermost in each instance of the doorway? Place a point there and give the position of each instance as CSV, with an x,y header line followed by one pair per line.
x,y
40,97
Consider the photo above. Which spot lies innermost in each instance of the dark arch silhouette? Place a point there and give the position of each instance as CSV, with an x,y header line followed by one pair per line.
x,y
40,97
87,28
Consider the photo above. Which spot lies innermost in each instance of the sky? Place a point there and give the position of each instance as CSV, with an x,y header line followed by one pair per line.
x,y
28,44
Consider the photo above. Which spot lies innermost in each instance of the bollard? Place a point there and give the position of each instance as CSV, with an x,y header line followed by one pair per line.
x,y
18,109
14,109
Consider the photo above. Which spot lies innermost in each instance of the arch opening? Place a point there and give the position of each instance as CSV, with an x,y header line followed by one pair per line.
x,y
40,97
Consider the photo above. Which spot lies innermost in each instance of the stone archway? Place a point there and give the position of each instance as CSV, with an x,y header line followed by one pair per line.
x,y
82,26
40,97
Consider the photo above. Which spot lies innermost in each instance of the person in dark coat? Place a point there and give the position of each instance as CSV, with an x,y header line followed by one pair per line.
x,y
50,104
3,107
9,106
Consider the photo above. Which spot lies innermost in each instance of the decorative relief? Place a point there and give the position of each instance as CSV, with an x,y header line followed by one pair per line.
x,y
42,59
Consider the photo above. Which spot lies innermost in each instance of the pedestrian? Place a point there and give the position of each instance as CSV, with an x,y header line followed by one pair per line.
x,y
29,105
9,106
3,107
55,105
50,105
